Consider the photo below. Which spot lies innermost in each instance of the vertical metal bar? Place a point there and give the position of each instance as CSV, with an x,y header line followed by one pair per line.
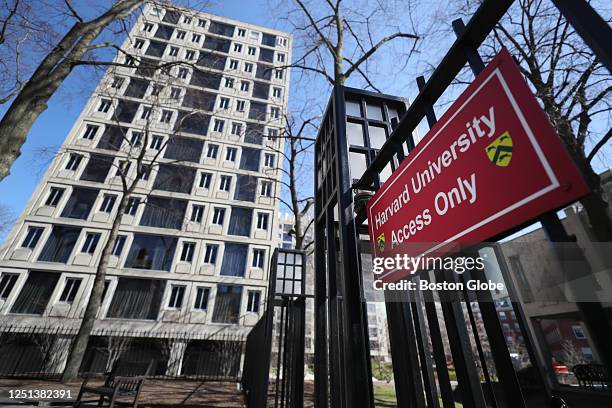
x,y
358,379
446,391
431,392
278,356
467,374
335,317
593,29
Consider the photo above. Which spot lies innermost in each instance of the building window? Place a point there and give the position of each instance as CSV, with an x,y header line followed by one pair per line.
x,y
175,93
253,301
108,202
272,134
138,44
55,194
262,221
278,74
136,139
73,161
190,55
156,89
32,237
212,151
183,73
201,23
241,32
166,116
60,244
153,252
252,51
210,256
237,47
117,82
205,180
244,86
258,258
147,27
197,211
236,128
156,142
266,189
177,293
132,205
187,20
137,299
71,288
225,183
230,154
91,242
188,251
7,283
90,132
218,125
280,57
196,38
578,332
227,304
224,103
277,92
146,112
218,215
180,35
275,112
240,105
173,51
233,64
119,244
201,301
80,203
36,292
269,160
229,82
248,67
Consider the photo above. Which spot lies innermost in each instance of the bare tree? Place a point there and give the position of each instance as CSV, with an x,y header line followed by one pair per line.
x,y
571,84
136,163
338,40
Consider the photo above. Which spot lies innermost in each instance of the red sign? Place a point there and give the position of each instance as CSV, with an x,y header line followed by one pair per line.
x,y
492,162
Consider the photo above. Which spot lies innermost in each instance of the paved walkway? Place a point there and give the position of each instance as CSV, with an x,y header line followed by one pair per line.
x,y
155,394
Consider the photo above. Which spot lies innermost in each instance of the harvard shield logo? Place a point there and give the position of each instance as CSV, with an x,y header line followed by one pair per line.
x,y
500,150
381,242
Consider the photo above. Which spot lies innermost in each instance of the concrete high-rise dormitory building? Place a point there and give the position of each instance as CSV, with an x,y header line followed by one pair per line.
x,y
197,235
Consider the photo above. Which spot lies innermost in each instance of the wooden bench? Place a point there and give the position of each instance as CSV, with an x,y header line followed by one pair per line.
x,y
588,375
124,379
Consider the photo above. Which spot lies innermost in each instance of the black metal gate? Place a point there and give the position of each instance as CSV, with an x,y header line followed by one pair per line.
x,y
421,324
273,374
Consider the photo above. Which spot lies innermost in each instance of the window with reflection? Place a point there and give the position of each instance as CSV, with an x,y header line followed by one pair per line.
x,y
354,134
80,203
151,252
60,244
227,304
97,168
163,212
234,259
36,293
137,299
174,178
240,221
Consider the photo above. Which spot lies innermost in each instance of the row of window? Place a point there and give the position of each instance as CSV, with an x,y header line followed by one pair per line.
x,y
181,179
215,27
153,252
176,148
132,299
126,111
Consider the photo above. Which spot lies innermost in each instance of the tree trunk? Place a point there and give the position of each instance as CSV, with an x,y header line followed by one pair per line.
x,y
79,344
31,102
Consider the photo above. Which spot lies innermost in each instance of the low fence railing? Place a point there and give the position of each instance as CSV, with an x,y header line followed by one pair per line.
x,y
41,352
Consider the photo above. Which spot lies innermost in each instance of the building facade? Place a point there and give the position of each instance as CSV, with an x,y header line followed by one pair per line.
x,y
199,100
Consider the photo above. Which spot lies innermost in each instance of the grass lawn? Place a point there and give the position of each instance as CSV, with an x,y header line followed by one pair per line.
x,y
384,396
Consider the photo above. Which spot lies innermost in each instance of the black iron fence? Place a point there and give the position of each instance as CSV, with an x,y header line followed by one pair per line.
x,y
41,351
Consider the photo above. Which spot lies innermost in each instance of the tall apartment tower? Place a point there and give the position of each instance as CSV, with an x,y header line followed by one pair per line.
x,y
202,97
